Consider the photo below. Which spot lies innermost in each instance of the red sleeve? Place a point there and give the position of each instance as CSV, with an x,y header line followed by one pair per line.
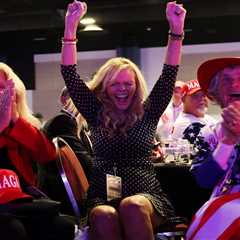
x,y
42,150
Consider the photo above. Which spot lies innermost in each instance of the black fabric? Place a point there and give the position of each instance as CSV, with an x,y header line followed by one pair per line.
x,y
65,126
42,207
36,228
35,220
12,229
5,162
180,186
61,124
52,228
50,182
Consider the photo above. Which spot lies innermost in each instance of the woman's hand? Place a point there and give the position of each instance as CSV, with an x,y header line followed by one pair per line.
x,y
75,12
175,14
6,101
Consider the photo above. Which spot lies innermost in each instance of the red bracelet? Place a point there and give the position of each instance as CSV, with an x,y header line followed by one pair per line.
x,y
69,39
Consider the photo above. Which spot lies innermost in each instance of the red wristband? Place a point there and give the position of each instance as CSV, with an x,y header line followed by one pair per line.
x,y
69,39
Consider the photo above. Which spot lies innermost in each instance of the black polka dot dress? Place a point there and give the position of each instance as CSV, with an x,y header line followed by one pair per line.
x,y
129,154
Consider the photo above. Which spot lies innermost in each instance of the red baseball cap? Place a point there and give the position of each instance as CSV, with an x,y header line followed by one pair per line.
x,y
207,70
191,87
10,188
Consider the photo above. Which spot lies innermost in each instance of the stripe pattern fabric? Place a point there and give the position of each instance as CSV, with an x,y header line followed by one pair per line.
x,y
217,219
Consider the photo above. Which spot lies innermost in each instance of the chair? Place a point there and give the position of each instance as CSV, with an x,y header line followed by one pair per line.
x,y
72,175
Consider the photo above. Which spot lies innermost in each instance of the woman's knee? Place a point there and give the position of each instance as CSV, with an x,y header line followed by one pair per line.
x,y
103,217
135,206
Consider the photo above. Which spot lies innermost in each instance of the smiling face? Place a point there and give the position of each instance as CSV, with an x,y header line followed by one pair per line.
x,y
121,89
229,85
196,104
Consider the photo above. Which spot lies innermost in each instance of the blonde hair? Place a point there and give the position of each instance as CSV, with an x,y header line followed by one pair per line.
x,y
111,121
21,100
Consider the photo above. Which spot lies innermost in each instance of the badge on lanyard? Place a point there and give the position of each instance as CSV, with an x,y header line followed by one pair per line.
x,y
114,187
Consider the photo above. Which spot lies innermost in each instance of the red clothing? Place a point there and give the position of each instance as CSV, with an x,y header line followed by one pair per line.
x,y
25,144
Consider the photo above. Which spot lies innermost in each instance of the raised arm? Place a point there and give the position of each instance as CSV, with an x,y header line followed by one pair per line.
x,y
84,99
175,14
161,93
75,12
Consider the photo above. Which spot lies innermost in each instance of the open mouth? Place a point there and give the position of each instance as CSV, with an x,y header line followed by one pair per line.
x,y
122,99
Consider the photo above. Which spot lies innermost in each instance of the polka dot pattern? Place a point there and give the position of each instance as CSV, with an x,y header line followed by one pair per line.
x,y
130,154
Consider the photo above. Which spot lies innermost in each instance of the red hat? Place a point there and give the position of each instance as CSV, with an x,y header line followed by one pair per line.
x,y
10,188
191,87
208,69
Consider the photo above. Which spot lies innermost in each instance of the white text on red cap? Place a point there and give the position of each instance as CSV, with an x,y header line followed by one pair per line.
x,y
9,181
192,85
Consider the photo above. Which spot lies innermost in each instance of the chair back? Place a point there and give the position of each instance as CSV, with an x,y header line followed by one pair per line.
x,y
72,174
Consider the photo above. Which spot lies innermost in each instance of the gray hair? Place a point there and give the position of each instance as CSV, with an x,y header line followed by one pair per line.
x,y
213,89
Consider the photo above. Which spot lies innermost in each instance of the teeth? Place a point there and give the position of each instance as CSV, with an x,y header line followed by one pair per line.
x,y
122,96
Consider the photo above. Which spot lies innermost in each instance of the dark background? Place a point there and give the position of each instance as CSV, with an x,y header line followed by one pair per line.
x,y
36,26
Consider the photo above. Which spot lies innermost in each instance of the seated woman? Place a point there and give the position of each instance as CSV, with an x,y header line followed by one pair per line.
x,y
72,127
22,144
125,199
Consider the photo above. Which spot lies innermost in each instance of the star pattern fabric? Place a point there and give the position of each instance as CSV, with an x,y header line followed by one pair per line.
x,y
203,150
200,146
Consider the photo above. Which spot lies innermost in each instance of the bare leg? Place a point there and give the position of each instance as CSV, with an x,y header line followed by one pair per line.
x,y
104,223
138,218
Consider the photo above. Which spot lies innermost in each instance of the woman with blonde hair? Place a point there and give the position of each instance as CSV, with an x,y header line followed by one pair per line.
x,y
125,200
104,76
22,144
